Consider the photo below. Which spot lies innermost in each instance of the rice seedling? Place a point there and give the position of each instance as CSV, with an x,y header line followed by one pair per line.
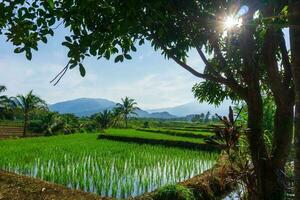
x,y
105,167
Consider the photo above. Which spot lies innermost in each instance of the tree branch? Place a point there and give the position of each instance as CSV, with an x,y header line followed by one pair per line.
x,y
217,79
232,83
269,53
287,76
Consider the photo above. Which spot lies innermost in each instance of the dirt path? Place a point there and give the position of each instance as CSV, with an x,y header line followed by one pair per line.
x,y
16,187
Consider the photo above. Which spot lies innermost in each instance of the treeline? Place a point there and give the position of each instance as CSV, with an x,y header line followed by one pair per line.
x,y
37,118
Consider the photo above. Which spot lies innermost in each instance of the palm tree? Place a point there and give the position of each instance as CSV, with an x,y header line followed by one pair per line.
x,y
104,119
127,107
116,116
29,103
3,98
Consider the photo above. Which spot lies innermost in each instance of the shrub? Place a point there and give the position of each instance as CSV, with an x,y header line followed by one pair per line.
x,y
89,126
146,124
171,192
36,126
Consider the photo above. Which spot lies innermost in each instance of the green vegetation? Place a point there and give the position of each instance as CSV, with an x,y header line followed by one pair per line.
x,y
171,192
27,104
151,135
242,44
106,167
127,108
178,132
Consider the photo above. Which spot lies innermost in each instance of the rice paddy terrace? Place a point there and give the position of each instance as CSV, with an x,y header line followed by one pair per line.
x,y
106,167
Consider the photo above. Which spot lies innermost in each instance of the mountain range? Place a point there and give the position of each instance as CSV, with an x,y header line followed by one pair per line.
x,y
89,106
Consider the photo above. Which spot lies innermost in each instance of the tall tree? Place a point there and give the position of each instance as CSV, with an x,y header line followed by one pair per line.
x,y
127,108
104,119
294,21
3,98
240,42
28,103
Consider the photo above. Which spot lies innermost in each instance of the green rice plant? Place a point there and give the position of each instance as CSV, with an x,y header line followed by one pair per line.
x,y
108,168
172,192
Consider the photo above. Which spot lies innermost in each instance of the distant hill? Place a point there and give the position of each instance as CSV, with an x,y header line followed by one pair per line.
x,y
194,108
83,106
89,106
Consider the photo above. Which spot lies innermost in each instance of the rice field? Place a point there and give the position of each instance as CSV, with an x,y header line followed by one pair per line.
x,y
109,168
150,135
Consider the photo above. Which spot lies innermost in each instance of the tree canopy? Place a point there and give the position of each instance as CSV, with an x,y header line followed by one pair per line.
x,y
246,63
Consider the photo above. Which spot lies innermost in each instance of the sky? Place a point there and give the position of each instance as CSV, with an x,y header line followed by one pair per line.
x,y
150,79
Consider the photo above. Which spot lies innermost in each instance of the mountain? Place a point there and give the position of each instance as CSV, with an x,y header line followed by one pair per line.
x,y
162,115
83,106
89,106
195,108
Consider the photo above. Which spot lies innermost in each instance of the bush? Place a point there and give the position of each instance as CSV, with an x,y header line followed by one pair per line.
x,y
146,124
36,126
89,126
172,192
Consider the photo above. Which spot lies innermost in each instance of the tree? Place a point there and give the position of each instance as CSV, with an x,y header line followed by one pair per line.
x,y
6,105
104,119
28,103
207,116
126,108
3,98
294,19
242,61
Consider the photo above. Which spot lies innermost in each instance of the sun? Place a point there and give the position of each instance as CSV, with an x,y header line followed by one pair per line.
x,y
231,22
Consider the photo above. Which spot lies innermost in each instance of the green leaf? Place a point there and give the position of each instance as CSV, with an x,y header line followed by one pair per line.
x,y
133,48
28,55
142,41
82,70
119,58
128,57
68,39
19,50
51,3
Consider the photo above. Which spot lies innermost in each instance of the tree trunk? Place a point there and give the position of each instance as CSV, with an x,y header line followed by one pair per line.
x,y
256,141
126,121
283,132
25,123
294,20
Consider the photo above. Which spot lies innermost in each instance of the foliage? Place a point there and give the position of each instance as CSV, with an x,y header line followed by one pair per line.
x,y
30,102
27,104
213,93
171,192
146,124
70,123
151,135
269,109
227,135
36,126
104,119
7,106
126,108
114,169
89,126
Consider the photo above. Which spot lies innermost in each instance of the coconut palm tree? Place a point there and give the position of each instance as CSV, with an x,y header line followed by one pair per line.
x,y
104,119
6,104
3,98
28,103
127,108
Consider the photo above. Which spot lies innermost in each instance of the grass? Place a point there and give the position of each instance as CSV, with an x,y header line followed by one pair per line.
x,y
151,135
175,132
108,168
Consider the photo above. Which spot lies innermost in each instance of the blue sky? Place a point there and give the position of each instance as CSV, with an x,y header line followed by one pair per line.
x,y
150,79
